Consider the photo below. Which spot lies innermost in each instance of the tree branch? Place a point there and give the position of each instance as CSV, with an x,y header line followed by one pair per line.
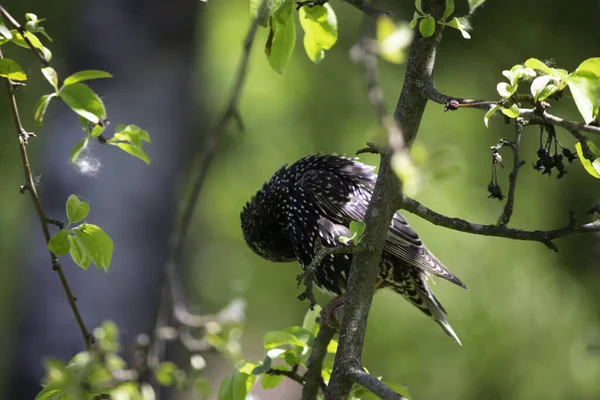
x,y
458,224
293,374
370,382
23,137
313,378
11,20
385,201
173,291
512,178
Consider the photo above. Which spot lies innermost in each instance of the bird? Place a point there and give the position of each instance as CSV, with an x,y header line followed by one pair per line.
x,y
315,199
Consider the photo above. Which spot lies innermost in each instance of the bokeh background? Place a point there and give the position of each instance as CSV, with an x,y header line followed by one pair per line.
x,y
530,321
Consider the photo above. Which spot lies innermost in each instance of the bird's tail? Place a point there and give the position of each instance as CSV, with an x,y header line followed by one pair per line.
x,y
414,287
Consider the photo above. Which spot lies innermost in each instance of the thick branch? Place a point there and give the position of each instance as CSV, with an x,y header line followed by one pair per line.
x,y
370,382
533,114
313,377
30,184
458,224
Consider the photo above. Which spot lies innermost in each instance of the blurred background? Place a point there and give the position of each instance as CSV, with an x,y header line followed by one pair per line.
x,y
529,323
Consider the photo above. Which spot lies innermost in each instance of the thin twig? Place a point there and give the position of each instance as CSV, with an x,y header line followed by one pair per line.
x,y
313,376
23,136
22,31
457,224
512,178
370,382
173,293
533,114
293,375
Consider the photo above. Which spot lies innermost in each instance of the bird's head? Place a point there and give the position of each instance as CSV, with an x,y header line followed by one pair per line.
x,y
263,230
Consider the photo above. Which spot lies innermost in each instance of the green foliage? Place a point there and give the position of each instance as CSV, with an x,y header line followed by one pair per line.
x,y
357,228
290,348
427,22
261,10
320,30
427,26
129,139
584,85
591,166
282,37
86,243
12,70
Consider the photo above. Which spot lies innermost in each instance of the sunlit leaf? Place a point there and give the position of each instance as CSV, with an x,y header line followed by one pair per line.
x,y
505,90
393,39
41,107
584,85
51,76
449,9
591,166
511,112
489,114
537,65
84,101
95,244
12,70
280,338
542,87
310,320
462,25
473,4
282,38
77,210
86,75
4,31
268,381
78,149
237,386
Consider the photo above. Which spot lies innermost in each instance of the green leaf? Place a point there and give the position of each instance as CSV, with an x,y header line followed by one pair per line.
x,y
96,244
166,373
41,107
511,112
427,26
310,320
489,114
282,38
237,386
78,253
592,167
537,65
77,210
268,381
449,9
78,148
86,76
542,87
19,40
280,338
414,21
84,101
584,85
4,31
393,39
315,53
59,243
320,24
134,151
357,228
261,10
12,70
505,90
473,4
462,25
52,77
332,346
131,133
50,392
264,367
418,6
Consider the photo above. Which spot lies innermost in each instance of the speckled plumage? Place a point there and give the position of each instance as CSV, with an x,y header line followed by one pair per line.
x,y
316,198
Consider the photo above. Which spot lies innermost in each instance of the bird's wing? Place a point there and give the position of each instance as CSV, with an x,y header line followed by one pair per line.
x,y
404,243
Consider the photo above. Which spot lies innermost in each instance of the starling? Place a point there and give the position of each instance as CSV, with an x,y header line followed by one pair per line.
x,y
316,198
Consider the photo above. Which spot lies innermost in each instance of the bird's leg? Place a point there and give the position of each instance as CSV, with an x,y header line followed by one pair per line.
x,y
328,312
308,275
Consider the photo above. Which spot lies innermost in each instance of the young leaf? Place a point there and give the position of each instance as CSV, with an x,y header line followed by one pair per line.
x,y
268,381
96,244
461,24
237,386
78,253
280,338
98,129
134,151
282,39
418,6
489,114
473,4
59,243
310,320
357,228
52,77
41,107
4,31
413,22
86,76
511,112
77,210
427,26
542,87
537,65
166,373
320,30
393,39
584,84
78,148
592,167
84,101
449,9
261,10
12,70
505,90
